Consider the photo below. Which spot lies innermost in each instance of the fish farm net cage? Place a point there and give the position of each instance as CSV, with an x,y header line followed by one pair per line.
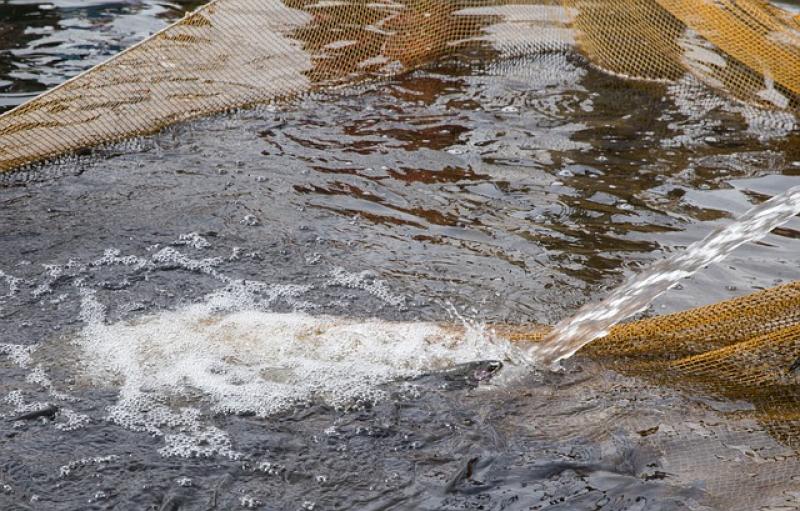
x,y
236,53
233,54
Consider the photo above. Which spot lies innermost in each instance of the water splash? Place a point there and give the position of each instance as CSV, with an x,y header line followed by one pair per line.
x,y
595,320
249,361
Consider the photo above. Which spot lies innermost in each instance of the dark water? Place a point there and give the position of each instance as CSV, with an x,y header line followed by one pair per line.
x,y
44,43
513,192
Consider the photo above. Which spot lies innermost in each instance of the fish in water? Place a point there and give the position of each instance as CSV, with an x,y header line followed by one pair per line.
x,y
467,375
472,373
48,411
486,370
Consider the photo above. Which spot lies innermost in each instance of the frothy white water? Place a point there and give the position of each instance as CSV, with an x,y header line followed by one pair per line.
x,y
239,360
595,320
176,370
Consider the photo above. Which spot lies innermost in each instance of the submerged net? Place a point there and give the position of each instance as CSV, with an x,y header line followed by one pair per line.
x,y
744,352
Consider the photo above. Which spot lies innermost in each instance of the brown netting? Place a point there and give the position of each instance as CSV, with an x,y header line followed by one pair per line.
x,y
233,53
236,53
747,348
747,49
744,352
229,53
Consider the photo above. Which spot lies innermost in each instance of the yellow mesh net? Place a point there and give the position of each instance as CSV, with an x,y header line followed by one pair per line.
x,y
747,348
747,49
234,53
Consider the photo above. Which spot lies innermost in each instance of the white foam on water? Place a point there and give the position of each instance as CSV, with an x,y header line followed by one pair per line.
x,y
112,257
169,255
228,354
366,281
39,376
19,354
52,273
66,419
237,359
72,420
12,283
193,240
16,398
70,467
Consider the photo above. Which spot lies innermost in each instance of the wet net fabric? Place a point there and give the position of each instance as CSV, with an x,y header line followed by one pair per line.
x,y
749,50
746,348
236,53
745,351
230,53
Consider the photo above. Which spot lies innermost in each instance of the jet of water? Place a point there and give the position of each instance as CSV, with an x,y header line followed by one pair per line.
x,y
595,320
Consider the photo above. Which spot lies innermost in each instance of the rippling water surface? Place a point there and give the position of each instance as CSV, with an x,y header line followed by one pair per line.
x,y
247,311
